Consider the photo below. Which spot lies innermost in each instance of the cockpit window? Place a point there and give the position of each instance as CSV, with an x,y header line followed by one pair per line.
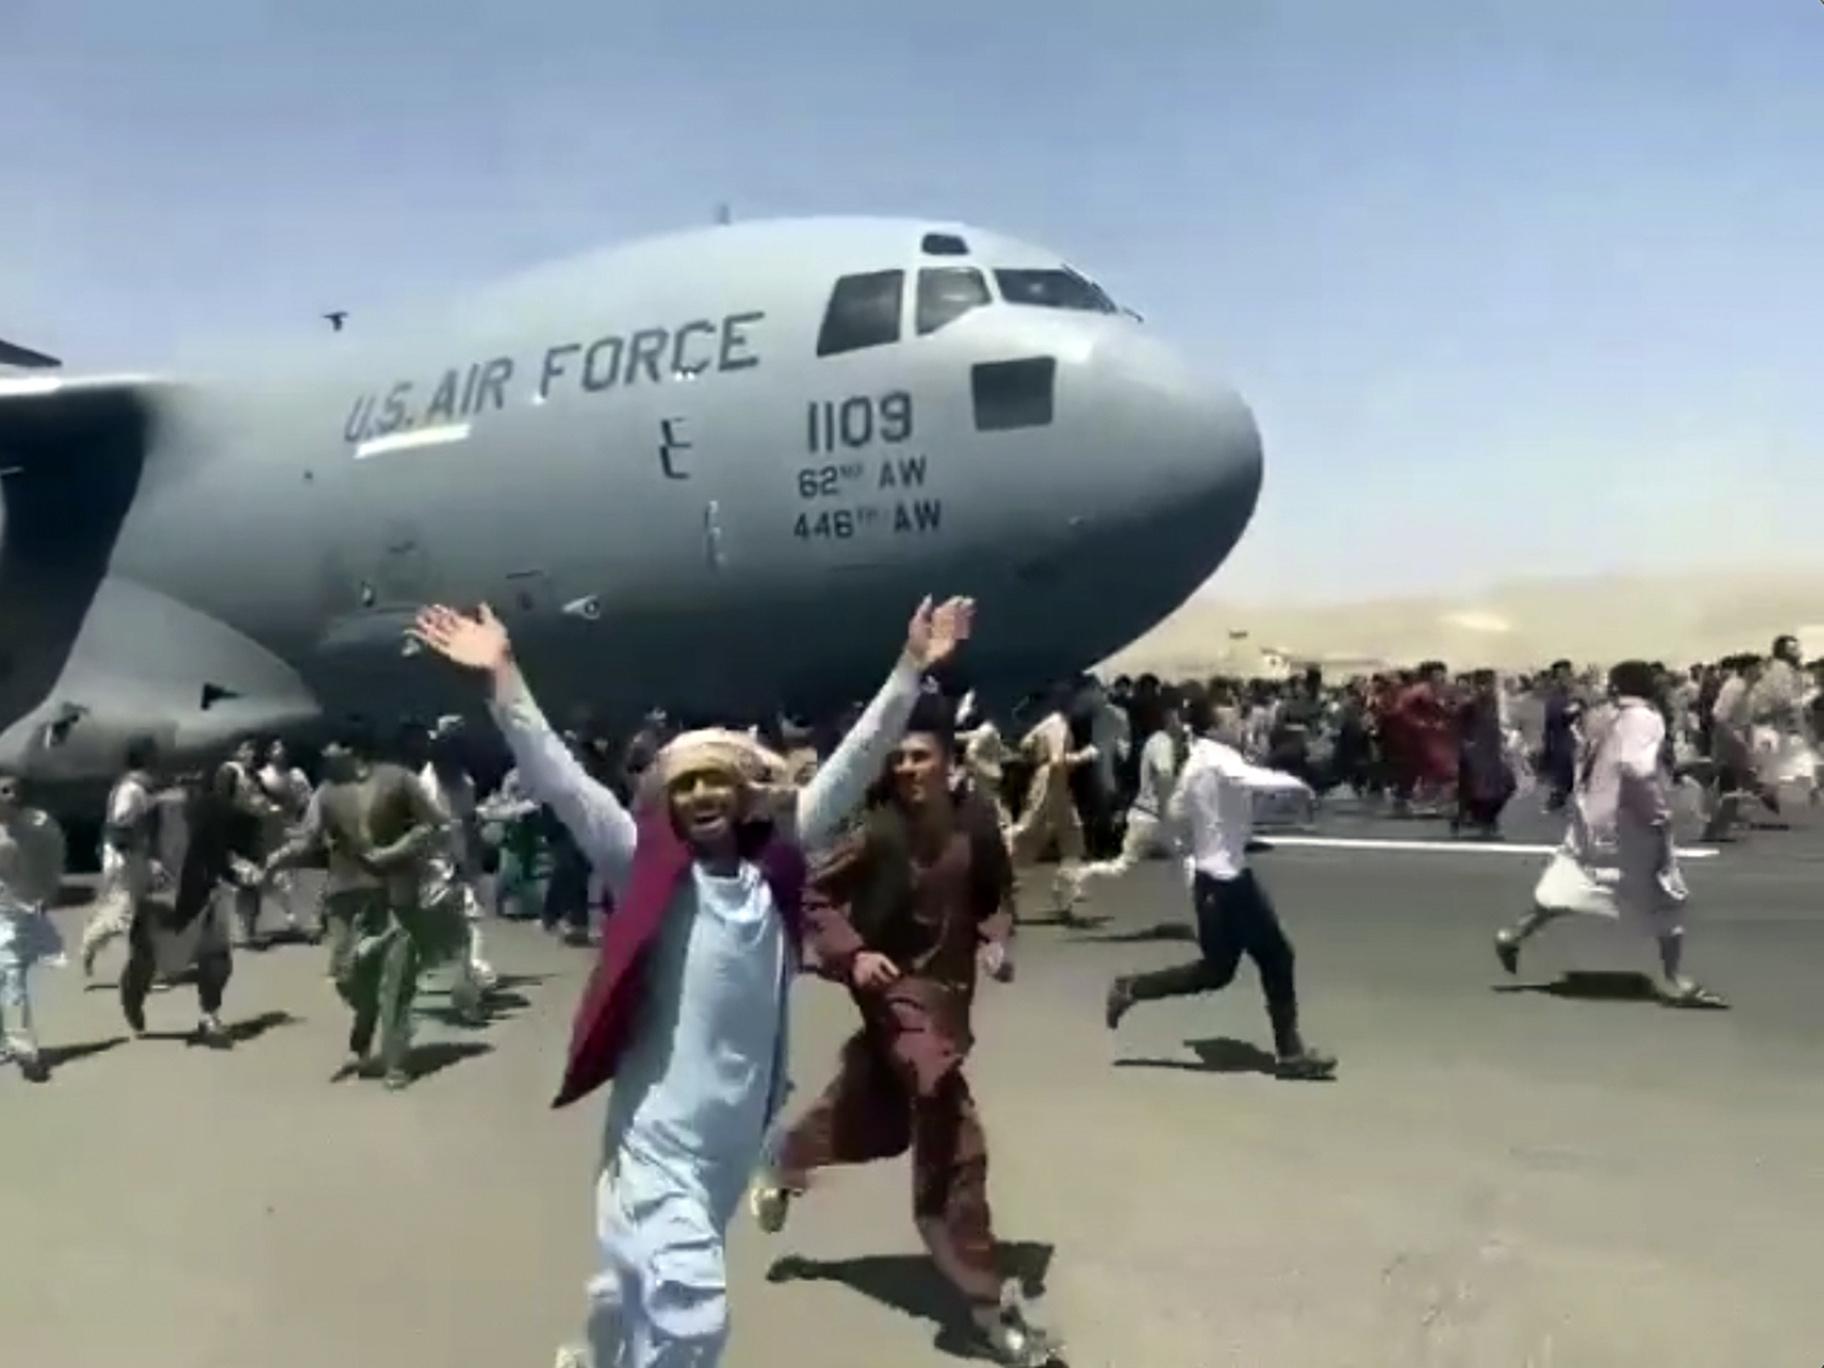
x,y
946,293
1056,289
863,312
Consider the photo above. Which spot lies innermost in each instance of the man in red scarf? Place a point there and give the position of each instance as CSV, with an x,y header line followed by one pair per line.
x,y
686,1011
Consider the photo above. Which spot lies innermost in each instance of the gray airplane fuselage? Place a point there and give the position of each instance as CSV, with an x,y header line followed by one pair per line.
x,y
692,471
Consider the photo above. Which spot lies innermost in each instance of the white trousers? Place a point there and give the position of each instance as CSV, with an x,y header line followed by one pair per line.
x,y
1784,758
124,882
1636,888
16,1034
25,938
660,1297
1141,841
472,976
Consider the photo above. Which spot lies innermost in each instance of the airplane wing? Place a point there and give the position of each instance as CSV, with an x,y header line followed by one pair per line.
x,y
71,453
87,659
12,354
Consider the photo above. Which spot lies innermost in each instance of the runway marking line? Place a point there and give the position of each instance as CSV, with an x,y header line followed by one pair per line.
x,y
1440,847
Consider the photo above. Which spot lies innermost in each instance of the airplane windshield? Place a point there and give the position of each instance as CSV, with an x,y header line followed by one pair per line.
x,y
1053,289
946,294
863,312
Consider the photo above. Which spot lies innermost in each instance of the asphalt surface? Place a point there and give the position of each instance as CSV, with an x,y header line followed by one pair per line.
x,y
1551,1170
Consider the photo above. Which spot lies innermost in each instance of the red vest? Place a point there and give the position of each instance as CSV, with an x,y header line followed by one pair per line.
x,y
661,862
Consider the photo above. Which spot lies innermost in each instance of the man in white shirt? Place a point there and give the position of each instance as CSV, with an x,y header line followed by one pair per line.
x,y
128,870
1214,805
1146,818
1050,815
239,780
452,871
287,793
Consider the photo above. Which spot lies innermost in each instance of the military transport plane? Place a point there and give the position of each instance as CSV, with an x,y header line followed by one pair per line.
x,y
714,470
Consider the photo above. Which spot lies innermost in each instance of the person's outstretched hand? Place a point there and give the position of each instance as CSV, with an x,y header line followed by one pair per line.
x,y
935,632
475,643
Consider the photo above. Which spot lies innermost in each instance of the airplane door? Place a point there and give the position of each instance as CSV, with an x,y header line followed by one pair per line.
x,y
693,463
696,456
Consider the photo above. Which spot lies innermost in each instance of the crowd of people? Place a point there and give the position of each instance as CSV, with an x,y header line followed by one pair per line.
x,y
711,864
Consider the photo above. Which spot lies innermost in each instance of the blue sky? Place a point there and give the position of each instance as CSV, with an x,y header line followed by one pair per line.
x,y
1514,288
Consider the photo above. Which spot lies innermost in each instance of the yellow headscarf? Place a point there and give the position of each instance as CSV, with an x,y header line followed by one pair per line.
x,y
763,776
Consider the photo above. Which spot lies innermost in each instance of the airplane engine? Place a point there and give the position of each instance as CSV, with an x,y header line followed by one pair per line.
x,y
88,660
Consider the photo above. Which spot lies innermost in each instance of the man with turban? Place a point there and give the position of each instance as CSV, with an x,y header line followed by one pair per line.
x,y
686,1011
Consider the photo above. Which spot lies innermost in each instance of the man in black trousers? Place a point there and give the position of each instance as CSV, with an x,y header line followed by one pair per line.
x,y
1213,807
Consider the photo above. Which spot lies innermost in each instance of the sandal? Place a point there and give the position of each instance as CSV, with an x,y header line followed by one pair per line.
x,y
770,1205
1010,1339
1695,995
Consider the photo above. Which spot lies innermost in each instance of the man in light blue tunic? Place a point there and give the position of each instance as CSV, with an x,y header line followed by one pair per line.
x,y
687,1009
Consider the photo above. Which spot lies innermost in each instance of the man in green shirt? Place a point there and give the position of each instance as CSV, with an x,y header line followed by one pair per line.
x,y
376,826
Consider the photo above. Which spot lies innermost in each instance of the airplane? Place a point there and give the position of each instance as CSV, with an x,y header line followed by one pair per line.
x,y
713,470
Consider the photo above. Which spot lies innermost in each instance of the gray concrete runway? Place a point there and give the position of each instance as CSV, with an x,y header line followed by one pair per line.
x,y
1546,1171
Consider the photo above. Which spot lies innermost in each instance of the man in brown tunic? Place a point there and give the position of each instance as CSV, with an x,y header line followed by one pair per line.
x,y
903,913
376,825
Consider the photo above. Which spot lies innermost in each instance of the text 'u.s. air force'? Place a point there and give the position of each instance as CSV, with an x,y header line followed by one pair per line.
x,y
645,356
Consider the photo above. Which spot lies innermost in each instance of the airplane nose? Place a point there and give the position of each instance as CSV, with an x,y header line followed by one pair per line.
x,y
1170,477
1187,451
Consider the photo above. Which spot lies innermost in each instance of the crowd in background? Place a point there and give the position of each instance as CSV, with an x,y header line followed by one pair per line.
x,y
1081,775
1427,743
1067,766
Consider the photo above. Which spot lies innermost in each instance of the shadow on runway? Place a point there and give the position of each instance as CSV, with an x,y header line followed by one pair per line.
x,y
1591,986
1221,1055
505,981
238,1032
496,1006
500,1003
183,978
444,1054
56,1056
1068,923
911,1285
1164,931
285,935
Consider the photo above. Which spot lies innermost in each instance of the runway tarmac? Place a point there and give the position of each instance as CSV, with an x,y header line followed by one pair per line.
x,y
1552,1170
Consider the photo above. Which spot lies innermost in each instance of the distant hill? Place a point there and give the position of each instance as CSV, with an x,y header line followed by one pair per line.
x,y
1677,618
